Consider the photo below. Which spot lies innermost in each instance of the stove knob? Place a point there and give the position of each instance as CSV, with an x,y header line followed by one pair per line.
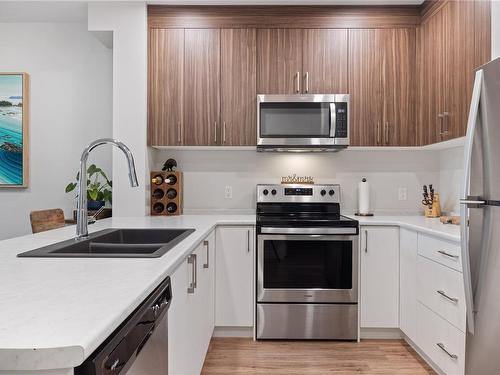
x,y
323,192
265,192
331,192
273,192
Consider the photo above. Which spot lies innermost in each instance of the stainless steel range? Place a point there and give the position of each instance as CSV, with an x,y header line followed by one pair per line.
x,y
307,264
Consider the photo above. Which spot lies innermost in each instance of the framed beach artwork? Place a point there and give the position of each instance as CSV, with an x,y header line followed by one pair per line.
x,y
14,121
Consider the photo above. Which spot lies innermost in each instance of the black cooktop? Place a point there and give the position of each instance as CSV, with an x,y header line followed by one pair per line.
x,y
302,215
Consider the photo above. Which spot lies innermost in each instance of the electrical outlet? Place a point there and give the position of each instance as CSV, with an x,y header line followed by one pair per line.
x,y
228,192
402,193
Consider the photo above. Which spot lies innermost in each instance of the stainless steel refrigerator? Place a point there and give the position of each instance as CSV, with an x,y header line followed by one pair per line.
x,y
480,234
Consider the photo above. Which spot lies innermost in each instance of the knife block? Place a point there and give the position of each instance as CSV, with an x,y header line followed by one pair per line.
x,y
435,210
166,193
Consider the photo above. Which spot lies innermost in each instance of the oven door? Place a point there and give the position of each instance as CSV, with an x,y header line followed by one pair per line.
x,y
311,268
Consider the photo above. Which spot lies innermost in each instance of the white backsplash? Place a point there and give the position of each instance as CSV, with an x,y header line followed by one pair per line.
x,y
450,178
207,173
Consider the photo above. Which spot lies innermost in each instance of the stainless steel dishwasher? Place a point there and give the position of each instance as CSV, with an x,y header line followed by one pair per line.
x,y
139,346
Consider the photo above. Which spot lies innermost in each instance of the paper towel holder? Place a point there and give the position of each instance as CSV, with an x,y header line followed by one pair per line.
x,y
363,214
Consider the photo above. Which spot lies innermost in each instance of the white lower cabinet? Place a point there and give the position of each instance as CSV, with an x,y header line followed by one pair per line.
x,y
379,301
408,283
442,342
191,313
235,257
432,309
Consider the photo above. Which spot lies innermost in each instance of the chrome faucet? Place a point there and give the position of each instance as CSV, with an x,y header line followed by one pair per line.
x,y
81,206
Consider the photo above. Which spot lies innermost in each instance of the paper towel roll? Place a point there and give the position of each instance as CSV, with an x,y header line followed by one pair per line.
x,y
363,197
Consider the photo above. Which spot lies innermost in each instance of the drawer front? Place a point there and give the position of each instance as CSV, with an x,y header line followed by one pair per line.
x,y
441,341
441,289
445,252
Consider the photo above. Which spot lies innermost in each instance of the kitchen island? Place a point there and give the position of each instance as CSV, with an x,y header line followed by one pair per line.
x,y
56,311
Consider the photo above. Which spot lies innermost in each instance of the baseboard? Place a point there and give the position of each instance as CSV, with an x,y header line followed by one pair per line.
x,y
233,332
380,333
426,358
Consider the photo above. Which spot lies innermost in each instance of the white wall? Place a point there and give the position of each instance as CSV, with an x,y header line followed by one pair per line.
x,y
206,173
128,22
70,103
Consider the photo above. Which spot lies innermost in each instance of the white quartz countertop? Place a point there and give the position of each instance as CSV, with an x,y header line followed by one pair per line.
x,y
417,223
54,312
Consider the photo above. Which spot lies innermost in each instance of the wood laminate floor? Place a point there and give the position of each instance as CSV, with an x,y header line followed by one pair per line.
x,y
243,356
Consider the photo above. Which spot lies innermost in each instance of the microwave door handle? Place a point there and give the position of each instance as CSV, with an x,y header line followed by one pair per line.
x,y
333,120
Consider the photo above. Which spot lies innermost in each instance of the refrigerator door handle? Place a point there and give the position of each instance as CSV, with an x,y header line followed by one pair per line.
x,y
464,223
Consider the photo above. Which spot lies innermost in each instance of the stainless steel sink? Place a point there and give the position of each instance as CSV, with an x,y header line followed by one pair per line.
x,y
115,243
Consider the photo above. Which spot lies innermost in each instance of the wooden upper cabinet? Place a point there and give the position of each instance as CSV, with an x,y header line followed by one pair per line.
x,y
431,82
238,87
365,86
324,69
165,86
460,64
279,61
453,44
399,90
201,86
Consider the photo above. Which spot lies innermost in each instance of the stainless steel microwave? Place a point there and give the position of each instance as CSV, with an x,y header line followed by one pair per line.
x,y
302,122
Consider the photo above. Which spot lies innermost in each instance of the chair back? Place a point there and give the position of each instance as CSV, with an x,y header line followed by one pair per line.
x,y
44,220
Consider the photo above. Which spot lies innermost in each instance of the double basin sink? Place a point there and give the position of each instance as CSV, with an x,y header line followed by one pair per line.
x,y
115,243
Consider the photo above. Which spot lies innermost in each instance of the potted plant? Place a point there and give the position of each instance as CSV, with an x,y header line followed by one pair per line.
x,y
98,187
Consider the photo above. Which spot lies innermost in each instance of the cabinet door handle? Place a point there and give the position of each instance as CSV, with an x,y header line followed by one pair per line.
x,y
215,131
366,241
441,120
443,348
297,79
452,299
307,83
378,133
248,240
192,285
178,132
207,244
386,133
442,252
224,132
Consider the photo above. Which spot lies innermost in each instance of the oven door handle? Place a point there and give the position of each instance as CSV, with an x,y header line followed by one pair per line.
x,y
319,231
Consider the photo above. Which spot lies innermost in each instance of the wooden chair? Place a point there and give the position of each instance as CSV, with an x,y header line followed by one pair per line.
x,y
46,220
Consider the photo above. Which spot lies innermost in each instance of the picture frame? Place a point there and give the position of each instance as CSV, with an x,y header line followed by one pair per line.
x,y
14,129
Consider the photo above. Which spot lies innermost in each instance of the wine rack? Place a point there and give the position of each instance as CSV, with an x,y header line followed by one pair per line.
x,y
166,193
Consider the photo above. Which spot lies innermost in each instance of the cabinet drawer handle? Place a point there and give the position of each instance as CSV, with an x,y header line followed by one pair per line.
x,y
297,79
443,348
192,285
366,241
442,252
248,240
207,244
452,299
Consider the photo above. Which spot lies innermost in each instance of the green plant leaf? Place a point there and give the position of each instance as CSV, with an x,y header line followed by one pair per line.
x,y
92,170
71,186
93,194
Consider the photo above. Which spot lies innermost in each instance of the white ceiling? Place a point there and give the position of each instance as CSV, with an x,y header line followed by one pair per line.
x,y
43,11
286,2
68,11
